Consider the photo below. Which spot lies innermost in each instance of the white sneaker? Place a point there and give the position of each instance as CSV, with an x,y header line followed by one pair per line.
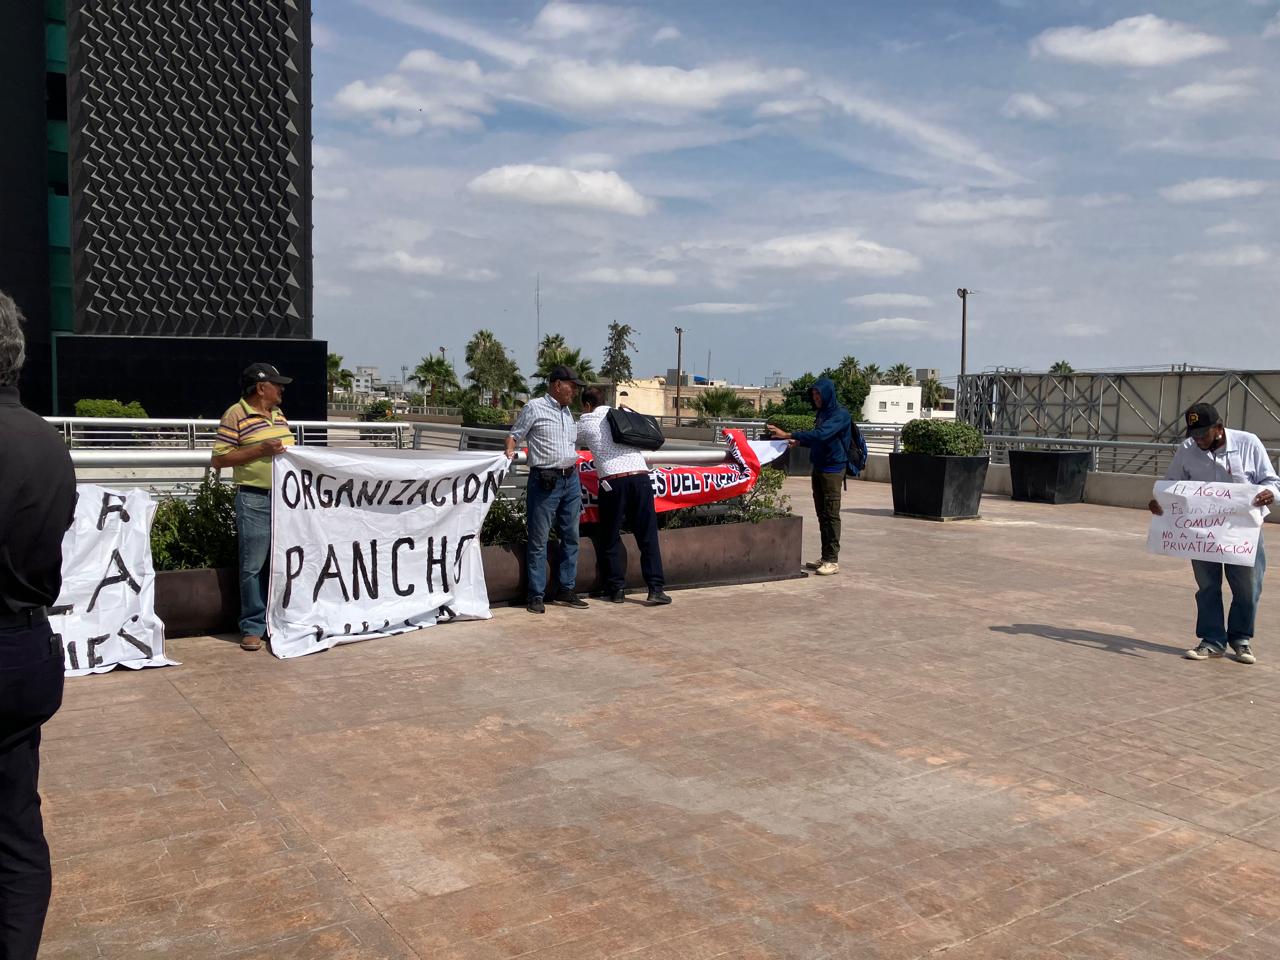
x,y
827,569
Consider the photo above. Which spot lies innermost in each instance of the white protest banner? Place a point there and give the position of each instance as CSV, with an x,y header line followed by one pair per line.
x,y
106,612
1207,521
369,543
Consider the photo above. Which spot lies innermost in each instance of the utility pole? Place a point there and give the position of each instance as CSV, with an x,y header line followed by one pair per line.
x,y
537,310
963,293
708,368
679,360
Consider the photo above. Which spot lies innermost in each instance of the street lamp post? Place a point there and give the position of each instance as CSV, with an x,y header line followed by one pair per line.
x,y
963,293
679,361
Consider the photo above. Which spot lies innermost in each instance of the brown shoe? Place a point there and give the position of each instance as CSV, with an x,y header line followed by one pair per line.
x,y
250,643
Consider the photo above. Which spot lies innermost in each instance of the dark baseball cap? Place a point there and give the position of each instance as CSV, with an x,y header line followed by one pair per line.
x,y
262,373
1200,418
564,373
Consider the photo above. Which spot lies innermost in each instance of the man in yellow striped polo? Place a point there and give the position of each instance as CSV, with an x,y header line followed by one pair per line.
x,y
251,432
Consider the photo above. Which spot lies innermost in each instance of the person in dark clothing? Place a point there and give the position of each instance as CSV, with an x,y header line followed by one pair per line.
x,y
37,504
828,444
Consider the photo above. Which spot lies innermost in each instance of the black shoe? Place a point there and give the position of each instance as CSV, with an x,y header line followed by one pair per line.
x,y
618,596
571,600
536,606
657,597
599,594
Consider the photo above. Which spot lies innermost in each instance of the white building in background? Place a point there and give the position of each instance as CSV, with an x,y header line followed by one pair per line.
x,y
364,379
927,373
891,404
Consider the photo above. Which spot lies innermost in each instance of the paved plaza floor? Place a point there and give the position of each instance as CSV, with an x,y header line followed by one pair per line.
x,y
978,741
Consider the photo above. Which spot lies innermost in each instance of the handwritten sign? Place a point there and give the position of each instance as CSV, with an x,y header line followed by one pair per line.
x,y
1207,521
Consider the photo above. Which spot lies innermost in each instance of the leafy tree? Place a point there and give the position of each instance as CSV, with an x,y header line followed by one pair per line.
x,y
848,368
1062,369
796,397
872,373
490,368
851,386
437,373
931,394
722,403
336,377
900,375
616,365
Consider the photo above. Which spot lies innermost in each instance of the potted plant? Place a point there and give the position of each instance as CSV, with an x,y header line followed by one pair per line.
x,y
1045,475
940,472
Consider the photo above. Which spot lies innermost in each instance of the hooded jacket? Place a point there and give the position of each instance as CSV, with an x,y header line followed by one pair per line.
x,y
832,432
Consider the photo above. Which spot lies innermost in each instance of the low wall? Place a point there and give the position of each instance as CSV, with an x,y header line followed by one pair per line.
x,y
1104,489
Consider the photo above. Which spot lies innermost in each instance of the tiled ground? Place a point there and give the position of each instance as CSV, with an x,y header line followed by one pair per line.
x,y
978,741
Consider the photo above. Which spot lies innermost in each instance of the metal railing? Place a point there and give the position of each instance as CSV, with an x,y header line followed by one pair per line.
x,y
125,433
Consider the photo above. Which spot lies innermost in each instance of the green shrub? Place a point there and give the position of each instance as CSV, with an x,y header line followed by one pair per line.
x,y
201,532
506,523
482,413
792,422
110,408
764,501
378,412
942,438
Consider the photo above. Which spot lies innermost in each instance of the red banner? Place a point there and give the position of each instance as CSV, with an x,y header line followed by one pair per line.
x,y
675,487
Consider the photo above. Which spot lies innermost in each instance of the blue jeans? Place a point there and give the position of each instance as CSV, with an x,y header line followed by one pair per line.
x,y
1246,588
253,531
562,504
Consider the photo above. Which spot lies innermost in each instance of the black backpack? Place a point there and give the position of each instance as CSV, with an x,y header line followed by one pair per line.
x,y
633,429
856,460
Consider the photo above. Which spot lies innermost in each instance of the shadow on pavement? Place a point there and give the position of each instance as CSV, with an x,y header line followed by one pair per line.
x,y
870,511
1111,642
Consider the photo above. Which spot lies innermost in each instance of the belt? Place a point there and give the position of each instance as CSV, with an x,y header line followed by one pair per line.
x,y
629,473
259,491
558,471
31,617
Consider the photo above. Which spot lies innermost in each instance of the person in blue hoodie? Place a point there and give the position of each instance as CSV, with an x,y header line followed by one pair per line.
x,y
828,444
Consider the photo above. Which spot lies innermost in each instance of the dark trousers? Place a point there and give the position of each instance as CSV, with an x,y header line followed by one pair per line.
x,y
629,500
826,502
30,693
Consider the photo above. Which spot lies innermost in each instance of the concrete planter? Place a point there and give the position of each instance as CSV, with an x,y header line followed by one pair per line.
x,y
194,602
1049,476
937,488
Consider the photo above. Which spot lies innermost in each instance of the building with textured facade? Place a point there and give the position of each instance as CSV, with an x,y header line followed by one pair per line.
x,y
156,214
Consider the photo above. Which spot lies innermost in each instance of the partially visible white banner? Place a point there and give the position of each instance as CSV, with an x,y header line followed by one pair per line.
x,y
1207,521
106,612
369,543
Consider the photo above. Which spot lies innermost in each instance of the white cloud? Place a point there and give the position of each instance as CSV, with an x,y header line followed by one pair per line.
x,y
401,261
430,62
1212,188
592,161
603,86
1202,95
459,31
667,33
323,36
838,249
933,139
1082,330
560,186
1245,255
801,106
1272,29
331,193
1094,201
980,211
1228,228
394,106
906,327
889,300
725,309
1028,106
561,21
630,276
327,289
322,156
1143,41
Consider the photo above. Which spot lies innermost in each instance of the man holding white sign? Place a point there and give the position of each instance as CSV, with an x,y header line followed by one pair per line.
x,y
1222,458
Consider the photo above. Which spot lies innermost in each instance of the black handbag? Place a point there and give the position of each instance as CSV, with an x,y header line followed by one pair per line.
x,y
633,429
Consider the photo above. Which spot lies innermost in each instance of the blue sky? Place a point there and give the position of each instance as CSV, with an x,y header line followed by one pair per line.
x,y
794,182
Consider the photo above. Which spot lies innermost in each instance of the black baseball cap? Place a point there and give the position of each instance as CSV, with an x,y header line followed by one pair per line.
x,y
564,373
1200,418
262,373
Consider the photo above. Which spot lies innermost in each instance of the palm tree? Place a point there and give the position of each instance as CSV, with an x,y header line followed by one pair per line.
x,y
722,403
848,368
554,352
931,395
900,375
336,377
872,372
1062,369
437,373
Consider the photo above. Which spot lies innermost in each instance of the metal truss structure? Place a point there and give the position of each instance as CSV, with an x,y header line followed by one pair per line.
x,y
1122,406
190,163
